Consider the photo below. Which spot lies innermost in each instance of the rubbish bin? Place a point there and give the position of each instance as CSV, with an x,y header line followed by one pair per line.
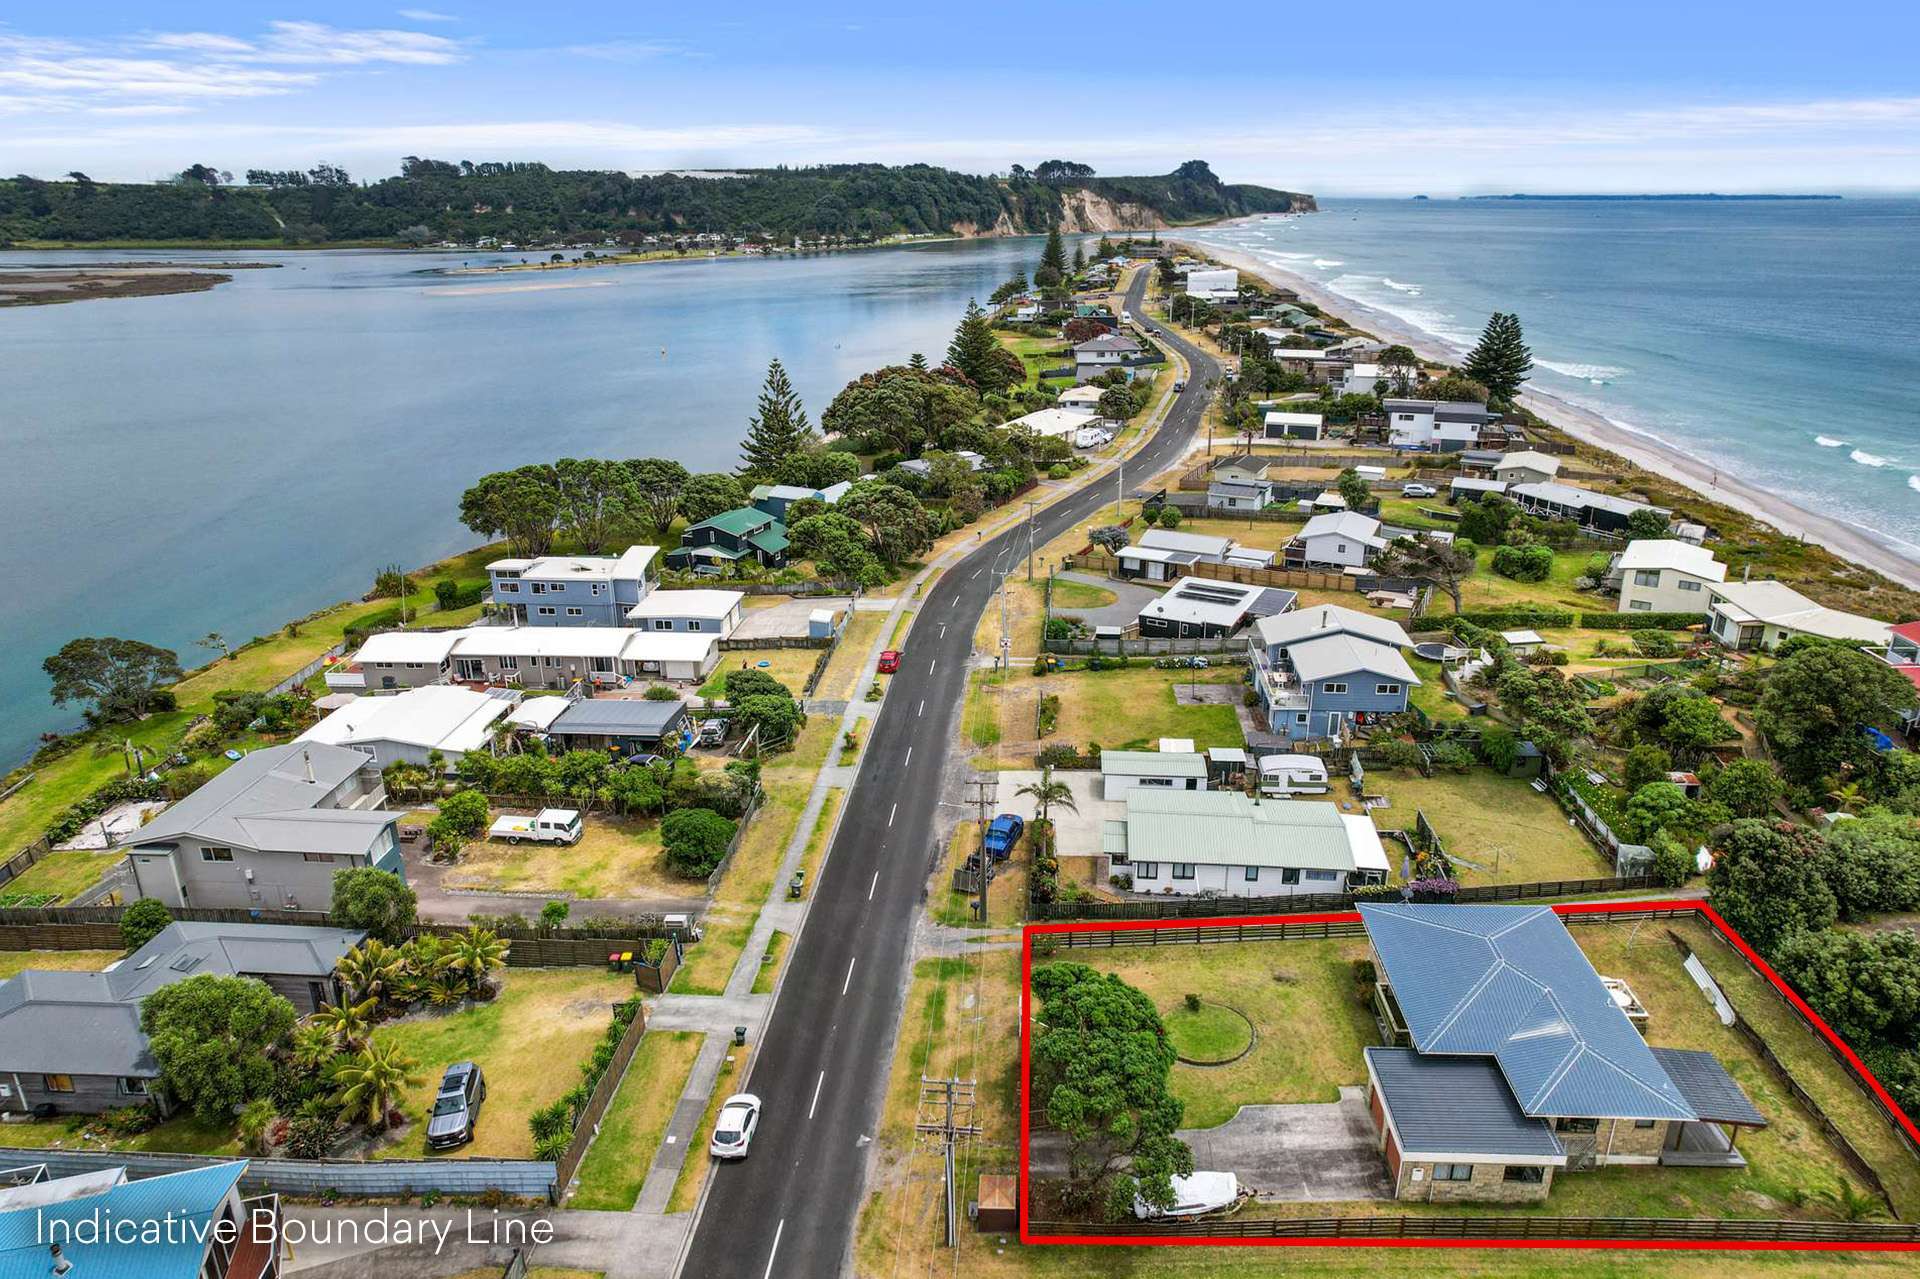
x,y
739,1036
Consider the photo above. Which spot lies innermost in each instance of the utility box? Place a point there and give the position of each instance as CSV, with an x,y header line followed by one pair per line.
x,y
999,1200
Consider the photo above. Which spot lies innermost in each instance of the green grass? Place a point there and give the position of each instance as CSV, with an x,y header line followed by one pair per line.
x,y
616,857
693,1172
1430,694
1212,1033
763,981
63,875
183,1135
72,961
1511,832
617,1163
980,719
1069,595
790,666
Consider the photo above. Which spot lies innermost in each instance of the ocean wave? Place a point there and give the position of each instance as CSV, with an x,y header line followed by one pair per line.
x,y
1412,290
1828,442
1913,482
1598,374
1865,458
1328,262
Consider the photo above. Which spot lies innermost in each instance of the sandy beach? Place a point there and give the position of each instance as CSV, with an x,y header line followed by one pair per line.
x,y
1702,477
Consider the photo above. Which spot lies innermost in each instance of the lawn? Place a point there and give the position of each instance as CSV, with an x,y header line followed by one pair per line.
x,y
1069,595
64,875
1430,694
769,974
1038,354
1209,1033
1265,535
1497,829
790,666
693,1171
63,782
69,961
616,857
530,1042
816,849
616,1164
1127,709
1309,1021
856,642
182,1135
1487,589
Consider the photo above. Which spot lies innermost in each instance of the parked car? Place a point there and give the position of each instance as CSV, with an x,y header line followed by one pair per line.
x,y
1180,384
1194,1195
548,826
710,732
733,1129
1419,490
1002,834
890,661
456,1109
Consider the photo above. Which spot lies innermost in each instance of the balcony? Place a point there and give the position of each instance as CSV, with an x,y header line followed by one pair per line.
x,y
1279,688
256,1253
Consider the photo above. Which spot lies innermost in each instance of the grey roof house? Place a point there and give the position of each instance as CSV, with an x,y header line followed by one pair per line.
x,y
623,725
269,833
1511,1057
71,1041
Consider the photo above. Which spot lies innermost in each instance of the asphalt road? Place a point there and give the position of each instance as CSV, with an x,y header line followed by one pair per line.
x,y
789,1209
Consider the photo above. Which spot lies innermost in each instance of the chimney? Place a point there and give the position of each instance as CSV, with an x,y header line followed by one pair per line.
x,y
306,760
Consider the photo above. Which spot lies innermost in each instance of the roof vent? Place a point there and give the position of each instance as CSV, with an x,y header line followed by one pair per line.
x,y
186,963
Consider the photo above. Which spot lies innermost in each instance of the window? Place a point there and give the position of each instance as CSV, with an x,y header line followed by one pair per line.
x,y
216,854
1386,690
1253,874
601,663
1646,577
1643,1123
574,612
662,623
507,588
1301,718
538,588
1335,687
1146,870
316,857
57,1083
1576,1125
545,610
1323,876
509,663
1688,584
1154,781
598,588
1453,1172
1640,606
1183,870
1525,1175
696,625
1290,875
132,1087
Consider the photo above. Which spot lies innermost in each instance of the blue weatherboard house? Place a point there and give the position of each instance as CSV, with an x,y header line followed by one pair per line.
x,y
1321,670
99,1225
573,590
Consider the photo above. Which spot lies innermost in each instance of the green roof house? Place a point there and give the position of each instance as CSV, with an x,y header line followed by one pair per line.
x,y
716,544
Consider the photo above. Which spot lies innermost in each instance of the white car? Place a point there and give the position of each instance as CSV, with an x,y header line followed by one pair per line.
x,y
733,1130
1419,490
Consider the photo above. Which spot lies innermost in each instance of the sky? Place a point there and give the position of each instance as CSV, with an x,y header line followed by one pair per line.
x,y
1388,99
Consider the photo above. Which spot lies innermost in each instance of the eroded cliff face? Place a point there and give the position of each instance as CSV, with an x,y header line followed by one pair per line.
x,y
1003,225
1085,210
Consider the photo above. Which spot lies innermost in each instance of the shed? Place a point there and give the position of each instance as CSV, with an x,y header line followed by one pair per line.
x,y
1528,761
820,623
997,1208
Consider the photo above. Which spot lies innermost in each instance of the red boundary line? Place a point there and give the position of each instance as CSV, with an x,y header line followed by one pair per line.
x,y
1698,907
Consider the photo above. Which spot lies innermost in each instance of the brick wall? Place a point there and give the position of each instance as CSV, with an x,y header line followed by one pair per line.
x,y
1489,1185
1621,1142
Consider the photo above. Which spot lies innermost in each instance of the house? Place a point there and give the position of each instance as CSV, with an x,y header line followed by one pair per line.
x,y
1240,495
1903,654
1121,771
1240,467
691,612
1209,282
1662,575
775,499
1318,366
1319,670
1152,563
269,832
1104,353
1342,539
1526,467
1582,506
1765,614
1208,548
1292,426
1084,398
412,726
1473,490
721,541
622,725
1195,841
394,660
1202,608
97,1224
1437,426
1510,1059
544,656
1360,378
1052,423
572,590
72,1040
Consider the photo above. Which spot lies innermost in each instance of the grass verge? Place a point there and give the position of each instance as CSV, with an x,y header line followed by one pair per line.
x,y
616,1164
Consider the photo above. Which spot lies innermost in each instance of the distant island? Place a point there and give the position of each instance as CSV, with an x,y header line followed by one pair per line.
x,y
441,201
1705,195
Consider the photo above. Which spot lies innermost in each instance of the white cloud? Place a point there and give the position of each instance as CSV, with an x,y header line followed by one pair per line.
x,y
427,15
627,50
303,42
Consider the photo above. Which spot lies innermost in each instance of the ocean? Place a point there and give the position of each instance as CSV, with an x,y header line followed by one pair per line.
x,y
1777,341
231,460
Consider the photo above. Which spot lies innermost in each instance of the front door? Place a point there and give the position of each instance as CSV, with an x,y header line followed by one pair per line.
x,y
469,668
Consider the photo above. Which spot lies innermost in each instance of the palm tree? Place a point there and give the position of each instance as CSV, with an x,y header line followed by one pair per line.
x,y
1046,793
370,1080
349,1026
370,969
314,1045
1848,1204
1848,798
475,953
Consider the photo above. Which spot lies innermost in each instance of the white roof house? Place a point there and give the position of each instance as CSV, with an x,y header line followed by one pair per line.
x,y
1764,614
1666,575
1667,552
429,647
1527,467
1278,425
630,564
1194,841
1331,619
1048,423
1328,655
408,725
1345,538
1082,397
1204,545
714,611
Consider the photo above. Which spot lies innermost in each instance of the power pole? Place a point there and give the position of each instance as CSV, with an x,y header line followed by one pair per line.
x,y
946,1115
983,876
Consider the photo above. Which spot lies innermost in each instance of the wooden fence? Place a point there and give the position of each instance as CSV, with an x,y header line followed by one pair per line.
x,y
1308,903
587,1122
1291,578
733,845
1637,1229
18,864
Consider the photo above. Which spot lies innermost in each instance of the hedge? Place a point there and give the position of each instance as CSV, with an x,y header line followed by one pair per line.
x,y
1516,617
1641,621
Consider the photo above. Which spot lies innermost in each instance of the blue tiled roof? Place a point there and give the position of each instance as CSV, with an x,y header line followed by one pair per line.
x,y
1508,982
1456,1106
187,1199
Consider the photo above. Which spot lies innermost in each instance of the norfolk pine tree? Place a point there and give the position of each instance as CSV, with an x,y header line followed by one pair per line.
x,y
778,427
1502,360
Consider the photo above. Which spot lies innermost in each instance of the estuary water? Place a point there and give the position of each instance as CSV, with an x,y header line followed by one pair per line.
x,y
1778,341
230,460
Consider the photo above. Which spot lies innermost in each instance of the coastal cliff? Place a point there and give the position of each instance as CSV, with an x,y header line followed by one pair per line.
x,y
436,200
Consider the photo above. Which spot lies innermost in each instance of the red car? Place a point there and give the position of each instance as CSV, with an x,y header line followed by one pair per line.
x,y
890,661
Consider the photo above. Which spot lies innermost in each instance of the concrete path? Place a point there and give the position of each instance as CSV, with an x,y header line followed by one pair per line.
x,y
1303,1153
684,1128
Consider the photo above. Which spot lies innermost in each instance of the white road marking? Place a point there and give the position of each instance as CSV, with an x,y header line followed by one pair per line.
x,y
908,759
923,709
816,1093
891,812
777,1231
851,958
930,665
870,887
975,574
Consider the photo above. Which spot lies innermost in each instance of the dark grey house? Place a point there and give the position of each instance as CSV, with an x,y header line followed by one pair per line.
x,y
626,726
71,1040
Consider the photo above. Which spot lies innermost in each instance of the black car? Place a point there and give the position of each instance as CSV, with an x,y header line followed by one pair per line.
x,y
456,1110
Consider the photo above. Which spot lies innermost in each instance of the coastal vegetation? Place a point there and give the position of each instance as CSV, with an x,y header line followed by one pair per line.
x,y
432,200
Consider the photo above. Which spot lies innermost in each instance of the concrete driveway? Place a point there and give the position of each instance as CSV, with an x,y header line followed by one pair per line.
x,y
1307,1153
785,620
1076,830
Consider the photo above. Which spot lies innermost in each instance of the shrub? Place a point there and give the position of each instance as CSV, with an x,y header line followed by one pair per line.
x,y
1170,517
1647,763
1452,756
1395,752
1193,1003
1672,863
1523,563
661,693
554,914
376,901
1652,643
695,840
142,922
465,812
1499,748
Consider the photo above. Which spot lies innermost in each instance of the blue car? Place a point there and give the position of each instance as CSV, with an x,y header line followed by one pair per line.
x,y
1003,834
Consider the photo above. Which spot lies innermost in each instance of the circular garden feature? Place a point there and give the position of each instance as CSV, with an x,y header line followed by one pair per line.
x,y
1208,1034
